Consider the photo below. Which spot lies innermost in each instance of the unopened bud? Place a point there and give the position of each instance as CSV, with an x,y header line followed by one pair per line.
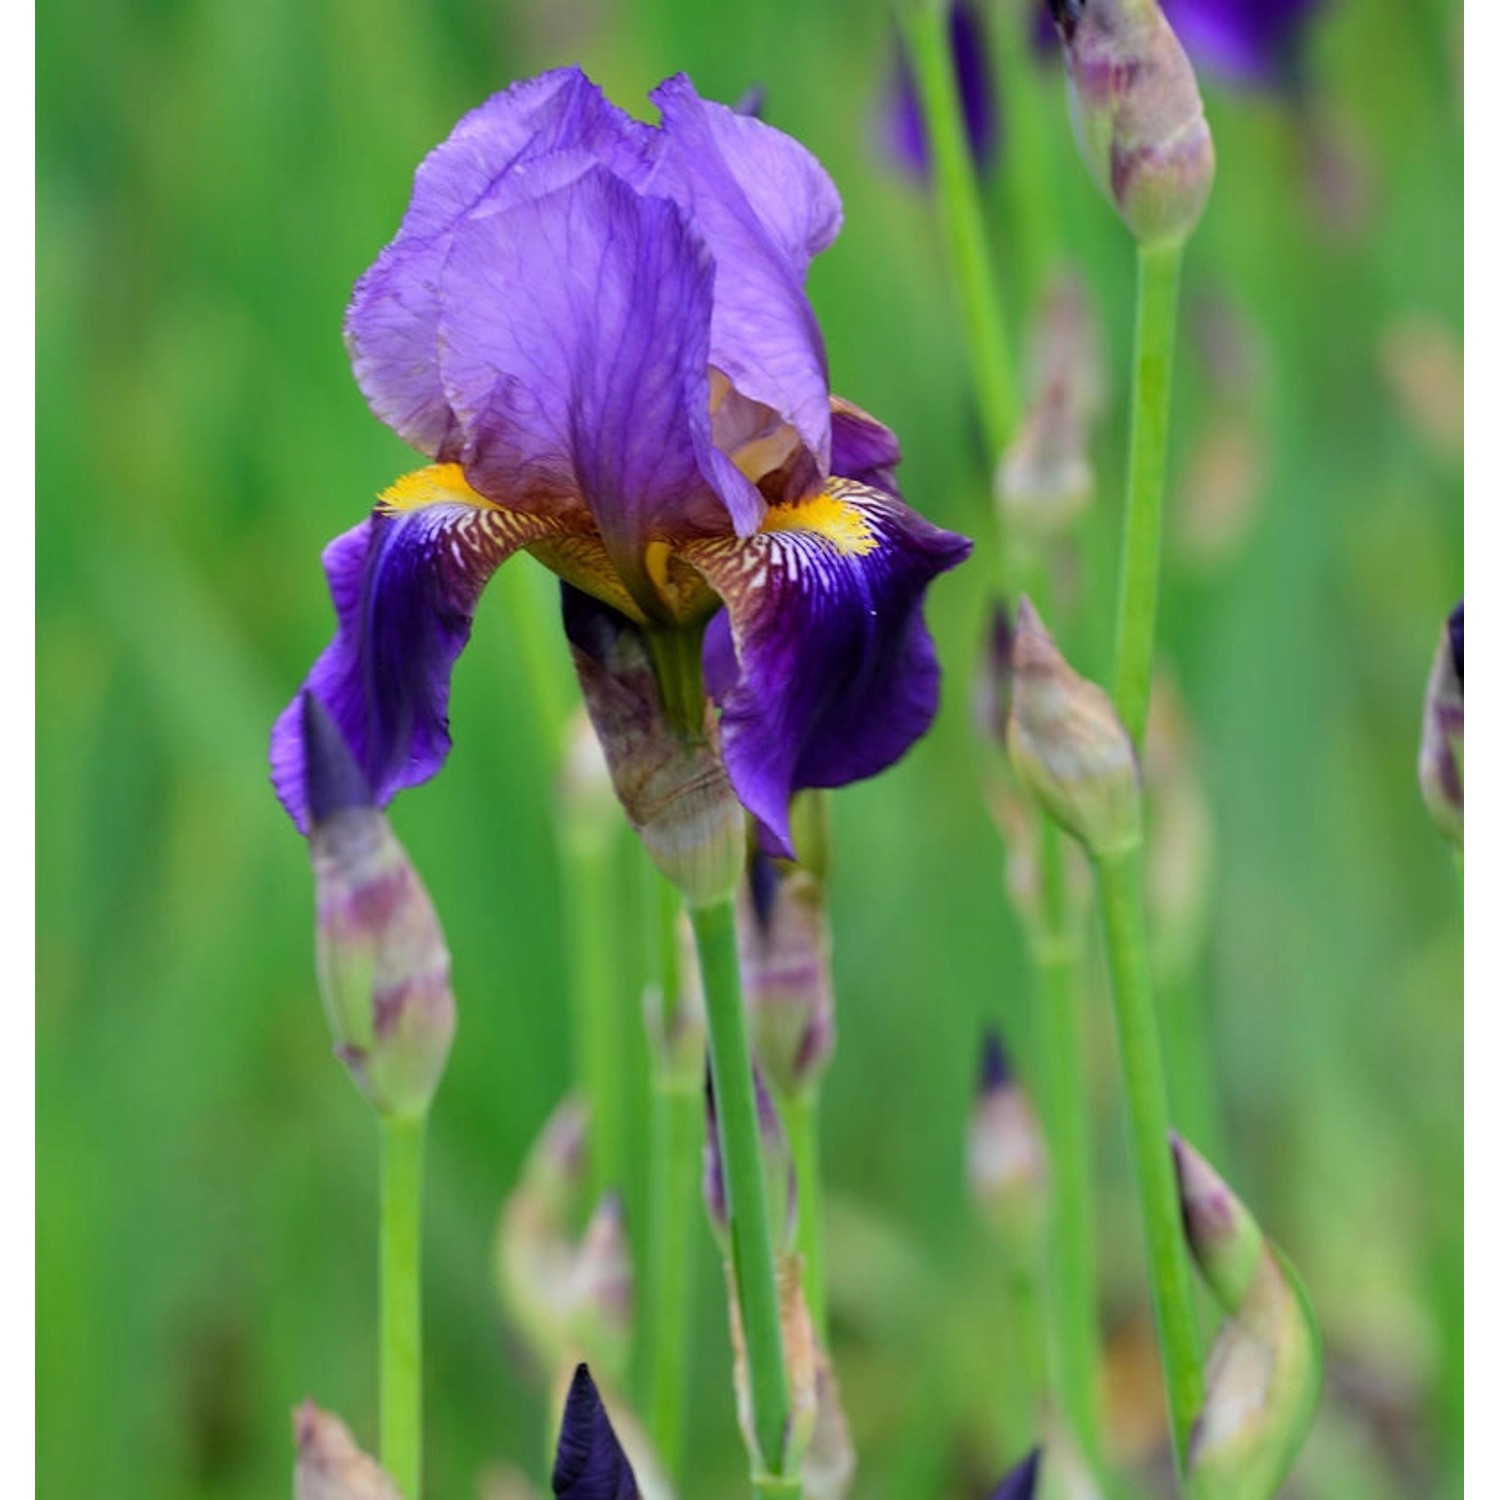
x,y
776,1164
1007,1158
1137,114
1021,1482
829,1463
591,1464
1440,763
330,1464
669,778
602,1291
1265,1367
1045,481
783,948
382,962
994,677
799,1358
1064,345
1068,745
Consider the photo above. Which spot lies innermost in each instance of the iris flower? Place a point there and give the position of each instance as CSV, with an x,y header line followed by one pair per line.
x,y
596,331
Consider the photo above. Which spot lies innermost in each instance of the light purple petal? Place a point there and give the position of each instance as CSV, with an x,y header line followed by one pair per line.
x,y
404,586
575,354
765,207
519,143
822,663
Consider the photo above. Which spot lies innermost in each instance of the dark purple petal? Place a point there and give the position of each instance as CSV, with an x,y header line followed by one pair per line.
x,y
1020,1483
591,1464
864,450
335,783
765,207
1248,41
404,585
823,668
995,1071
574,340
903,132
1456,639
517,144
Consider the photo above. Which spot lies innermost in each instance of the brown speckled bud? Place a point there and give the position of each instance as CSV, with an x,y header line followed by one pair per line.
x,y
330,1465
1068,745
1137,114
1440,763
1045,481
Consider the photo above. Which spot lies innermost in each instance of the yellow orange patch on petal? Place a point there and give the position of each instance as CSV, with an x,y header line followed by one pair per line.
x,y
828,516
437,484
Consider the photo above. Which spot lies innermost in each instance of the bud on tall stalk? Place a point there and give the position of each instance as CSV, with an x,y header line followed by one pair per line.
x,y
1137,114
1266,1364
331,1465
1440,763
591,1464
1022,1481
776,1160
665,764
828,1465
382,962
1068,745
1007,1158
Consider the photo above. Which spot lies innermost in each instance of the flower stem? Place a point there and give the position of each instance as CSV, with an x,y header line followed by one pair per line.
x,y
676,1155
957,193
1064,1080
1157,268
401,1302
745,1192
799,1112
1119,879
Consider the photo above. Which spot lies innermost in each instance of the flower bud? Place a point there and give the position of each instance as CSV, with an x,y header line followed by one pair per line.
x,y
1007,1158
330,1465
382,963
1045,481
776,1163
1021,1482
602,1289
799,1355
994,677
1137,114
783,947
1265,1367
1440,763
670,780
1068,745
591,1464
1064,345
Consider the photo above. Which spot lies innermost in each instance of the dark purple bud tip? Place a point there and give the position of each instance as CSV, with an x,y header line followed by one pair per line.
x,y
994,1065
591,1464
765,881
1456,639
335,782
1021,1482
1066,14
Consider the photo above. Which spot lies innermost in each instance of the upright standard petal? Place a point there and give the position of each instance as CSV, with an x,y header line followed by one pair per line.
x,y
822,663
404,584
517,144
575,334
591,1464
765,207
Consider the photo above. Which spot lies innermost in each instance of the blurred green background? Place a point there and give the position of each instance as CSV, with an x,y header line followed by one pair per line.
x,y
211,179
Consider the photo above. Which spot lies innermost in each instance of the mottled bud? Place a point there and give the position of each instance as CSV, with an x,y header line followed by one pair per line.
x,y
829,1463
330,1465
591,1464
994,677
1137,114
1021,1482
563,1291
715,1194
382,963
1068,745
1007,1157
1440,762
1064,346
1265,1367
799,1350
668,776
1045,481
776,1163
783,947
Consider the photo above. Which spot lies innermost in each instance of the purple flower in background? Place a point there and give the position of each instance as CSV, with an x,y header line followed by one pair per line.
x,y
597,331
902,130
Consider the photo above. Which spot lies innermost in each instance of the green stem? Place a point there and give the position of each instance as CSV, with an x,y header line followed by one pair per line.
x,y
401,1302
1157,269
1027,1322
1064,1097
799,1113
676,1159
676,1156
1119,879
591,895
745,1192
957,192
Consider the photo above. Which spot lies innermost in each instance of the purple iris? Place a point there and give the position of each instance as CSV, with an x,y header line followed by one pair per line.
x,y
597,331
591,1464
903,131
